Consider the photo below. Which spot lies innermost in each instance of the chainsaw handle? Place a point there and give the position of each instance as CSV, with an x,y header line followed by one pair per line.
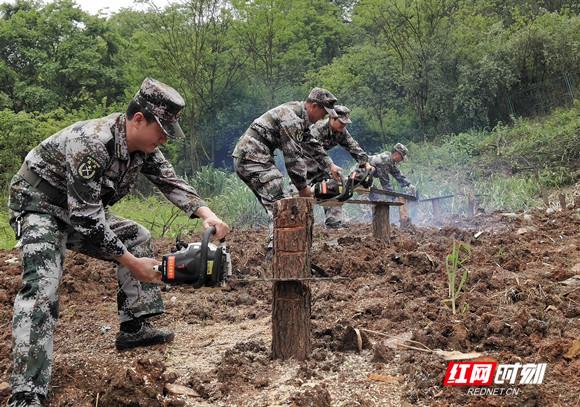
x,y
207,234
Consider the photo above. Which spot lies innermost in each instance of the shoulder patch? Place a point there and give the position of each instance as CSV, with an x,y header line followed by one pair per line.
x,y
88,168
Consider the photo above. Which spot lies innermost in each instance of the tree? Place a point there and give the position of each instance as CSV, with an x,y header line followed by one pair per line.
x,y
55,55
284,40
418,33
195,48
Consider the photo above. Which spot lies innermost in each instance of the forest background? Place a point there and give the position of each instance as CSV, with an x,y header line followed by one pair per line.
x,y
484,93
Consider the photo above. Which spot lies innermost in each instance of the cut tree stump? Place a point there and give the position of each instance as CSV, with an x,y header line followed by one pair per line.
x,y
293,221
562,199
381,222
404,219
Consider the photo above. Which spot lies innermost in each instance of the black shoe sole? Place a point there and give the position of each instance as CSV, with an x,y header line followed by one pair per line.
x,y
156,340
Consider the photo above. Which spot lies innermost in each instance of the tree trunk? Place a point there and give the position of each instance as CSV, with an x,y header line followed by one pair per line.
x,y
381,222
293,222
404,219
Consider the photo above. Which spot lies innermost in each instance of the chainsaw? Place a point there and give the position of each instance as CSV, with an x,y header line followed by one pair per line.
x,y
198,264
328,189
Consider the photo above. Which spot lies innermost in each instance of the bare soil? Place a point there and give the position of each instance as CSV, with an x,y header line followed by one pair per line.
x,y
520,305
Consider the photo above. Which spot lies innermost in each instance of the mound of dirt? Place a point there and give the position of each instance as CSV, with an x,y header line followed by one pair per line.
x,y
520,305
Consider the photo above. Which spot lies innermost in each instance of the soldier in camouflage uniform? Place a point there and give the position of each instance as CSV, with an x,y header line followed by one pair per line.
x,y
285,127
59,200
330,133
386,164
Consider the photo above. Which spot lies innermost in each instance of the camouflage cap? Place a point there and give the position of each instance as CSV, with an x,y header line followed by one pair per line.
x,y
163,102
325,99
343,113
401,149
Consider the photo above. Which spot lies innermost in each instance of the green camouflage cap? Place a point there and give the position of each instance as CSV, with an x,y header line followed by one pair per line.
x,y
325,99
343,113
163,102
401,149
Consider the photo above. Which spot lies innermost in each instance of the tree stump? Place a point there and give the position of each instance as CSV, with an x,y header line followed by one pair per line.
x,y
404,219
436,209
381,222
471,204
293,221
562,199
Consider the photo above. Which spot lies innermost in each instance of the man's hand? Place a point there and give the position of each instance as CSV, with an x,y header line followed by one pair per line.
x,y
369,168
305,192
411,189
336,172
221,228
210,219
141,267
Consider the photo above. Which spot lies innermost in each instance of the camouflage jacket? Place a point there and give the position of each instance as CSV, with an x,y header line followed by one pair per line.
x,y
90,164
285,127
330,139
385,166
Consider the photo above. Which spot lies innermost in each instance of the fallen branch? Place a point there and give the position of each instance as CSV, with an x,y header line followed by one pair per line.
x,y
398,341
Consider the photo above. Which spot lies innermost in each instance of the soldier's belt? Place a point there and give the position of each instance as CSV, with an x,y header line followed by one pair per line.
x,y
54,195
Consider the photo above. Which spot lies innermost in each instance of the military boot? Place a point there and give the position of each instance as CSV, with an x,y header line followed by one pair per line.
x,y
25,399
130,337
334,224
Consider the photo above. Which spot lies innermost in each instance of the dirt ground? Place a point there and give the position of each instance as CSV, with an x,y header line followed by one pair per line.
x,y
521,305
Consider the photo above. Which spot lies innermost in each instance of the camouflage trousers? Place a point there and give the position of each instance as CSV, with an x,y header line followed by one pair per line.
x,y
44,239
266,182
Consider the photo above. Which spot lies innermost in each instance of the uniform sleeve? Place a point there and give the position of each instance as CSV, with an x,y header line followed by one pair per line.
x,y
160,172
293,155
316,151
401,179
352,146
383,175
86,158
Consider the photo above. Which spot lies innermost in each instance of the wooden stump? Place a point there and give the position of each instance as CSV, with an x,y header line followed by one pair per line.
x,y
404,219
436,209
293,220
471,204
381,222
562,199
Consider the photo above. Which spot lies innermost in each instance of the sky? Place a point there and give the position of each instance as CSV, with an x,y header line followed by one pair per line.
x,y
110,6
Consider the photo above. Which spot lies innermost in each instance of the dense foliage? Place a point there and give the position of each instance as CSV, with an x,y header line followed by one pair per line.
x,y
447,73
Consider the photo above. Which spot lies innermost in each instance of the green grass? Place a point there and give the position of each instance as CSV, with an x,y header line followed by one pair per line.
x,y
457,274
156,214
504,193
7,239
226,195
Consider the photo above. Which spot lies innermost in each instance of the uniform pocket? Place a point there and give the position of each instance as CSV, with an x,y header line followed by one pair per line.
x,y
268,176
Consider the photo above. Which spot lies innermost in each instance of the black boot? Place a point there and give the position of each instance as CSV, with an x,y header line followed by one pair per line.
x,y
139,332
25,399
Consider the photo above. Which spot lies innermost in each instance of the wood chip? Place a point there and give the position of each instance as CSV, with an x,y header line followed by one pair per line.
x,y
574,351
359,342
180,390
383,378
455,355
